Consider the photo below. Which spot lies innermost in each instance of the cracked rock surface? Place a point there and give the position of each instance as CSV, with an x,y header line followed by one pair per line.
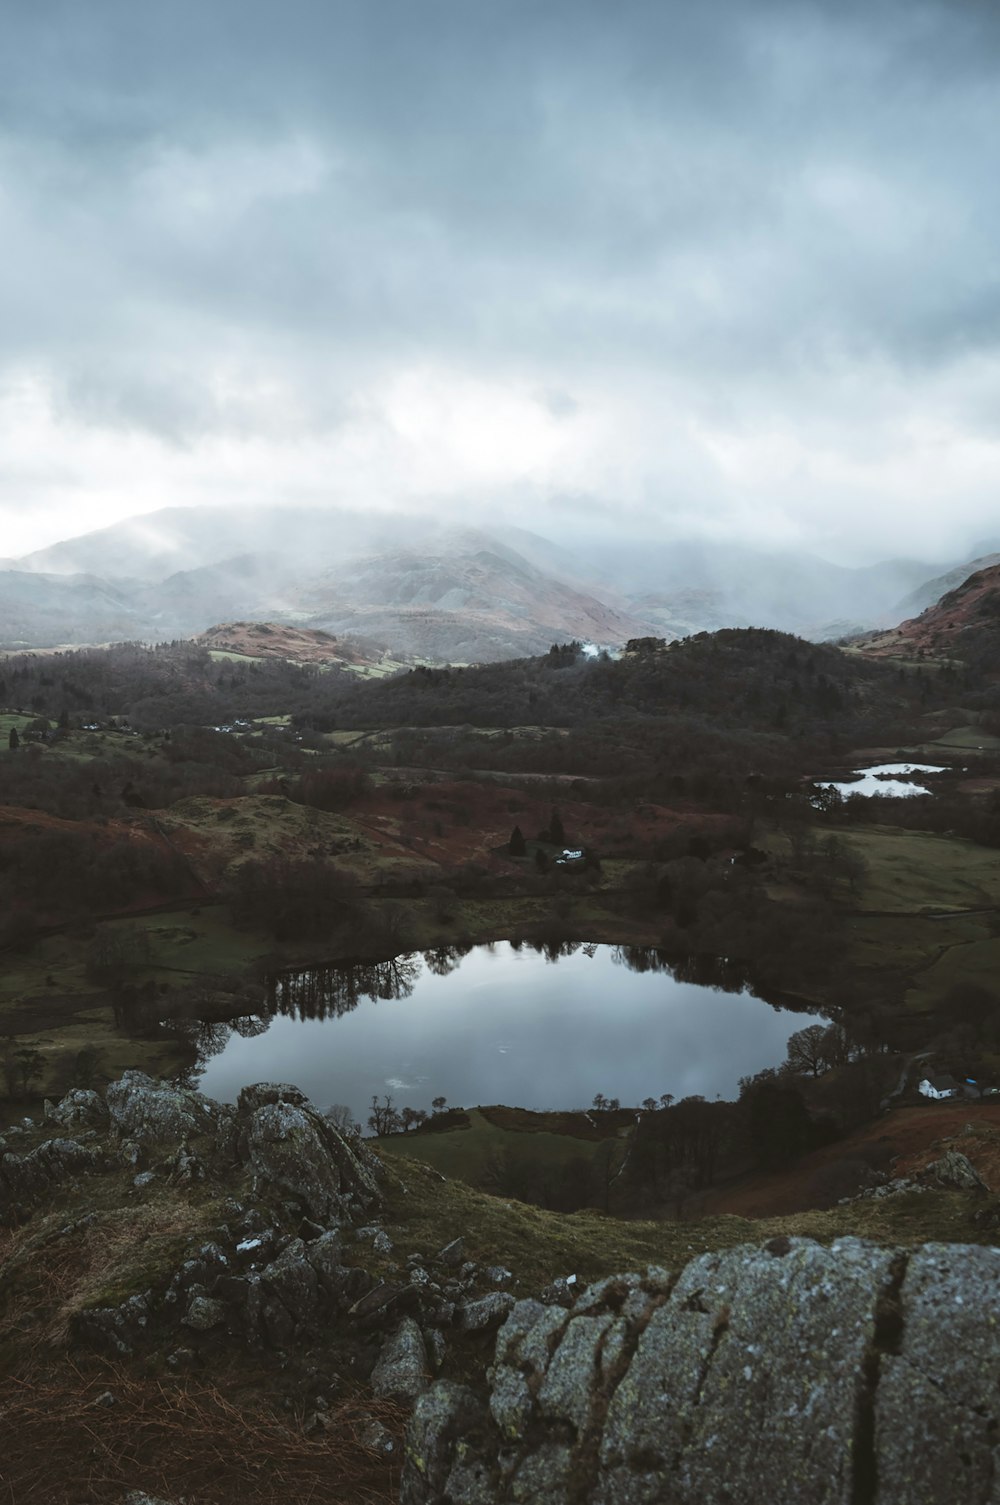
x,y
792,1372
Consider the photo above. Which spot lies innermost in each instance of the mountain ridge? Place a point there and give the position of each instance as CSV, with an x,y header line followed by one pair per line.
x,y
429,587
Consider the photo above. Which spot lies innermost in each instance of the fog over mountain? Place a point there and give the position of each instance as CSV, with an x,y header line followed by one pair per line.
x,y
720,274
431,588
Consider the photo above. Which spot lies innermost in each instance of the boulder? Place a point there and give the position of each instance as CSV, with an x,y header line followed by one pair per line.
x,y
401,1370
204,1313
25,1179
80,1109
792,1373
955,1172
261,1094
487,1311
446,1419
936,1406
147,1111
291,1149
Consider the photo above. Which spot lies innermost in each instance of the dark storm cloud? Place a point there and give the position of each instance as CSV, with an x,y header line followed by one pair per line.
x,y
742,209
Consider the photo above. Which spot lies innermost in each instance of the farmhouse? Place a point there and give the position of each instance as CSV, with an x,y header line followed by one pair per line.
x,y
939,1086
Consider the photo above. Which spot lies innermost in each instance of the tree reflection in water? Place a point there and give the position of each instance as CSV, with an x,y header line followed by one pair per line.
x,y
725,974
330,992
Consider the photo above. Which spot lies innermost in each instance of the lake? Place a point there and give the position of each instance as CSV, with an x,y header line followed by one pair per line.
x,y
503,1024
884,779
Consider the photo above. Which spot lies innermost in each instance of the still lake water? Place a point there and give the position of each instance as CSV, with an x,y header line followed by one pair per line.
x,y
503,1024
885,779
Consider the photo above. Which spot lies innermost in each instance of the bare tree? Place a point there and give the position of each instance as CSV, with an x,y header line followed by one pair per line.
x,y
808,1050
342,1118
384,1119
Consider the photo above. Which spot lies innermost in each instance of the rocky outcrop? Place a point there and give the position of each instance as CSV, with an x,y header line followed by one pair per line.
x,y
27,1179
80,1109
954,1172
788,1373
292,1149
149,1111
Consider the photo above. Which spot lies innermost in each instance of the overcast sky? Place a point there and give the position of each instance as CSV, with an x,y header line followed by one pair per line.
x,y
717,268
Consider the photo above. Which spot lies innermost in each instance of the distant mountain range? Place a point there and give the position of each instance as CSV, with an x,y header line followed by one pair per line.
x,y
423,588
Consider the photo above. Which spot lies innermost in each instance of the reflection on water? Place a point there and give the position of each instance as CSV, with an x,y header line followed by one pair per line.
x,y
535,1026
884,779
330,992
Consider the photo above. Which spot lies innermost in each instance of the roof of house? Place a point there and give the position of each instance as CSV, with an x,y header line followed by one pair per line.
x,y
941,1082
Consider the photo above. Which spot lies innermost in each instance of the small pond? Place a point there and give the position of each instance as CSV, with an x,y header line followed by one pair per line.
x,y
505,1023
884,779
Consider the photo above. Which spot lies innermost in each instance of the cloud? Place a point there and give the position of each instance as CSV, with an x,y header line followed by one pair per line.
x,y
721,269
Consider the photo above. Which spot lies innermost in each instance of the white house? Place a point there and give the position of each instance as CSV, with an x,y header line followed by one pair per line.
x,y
939,1086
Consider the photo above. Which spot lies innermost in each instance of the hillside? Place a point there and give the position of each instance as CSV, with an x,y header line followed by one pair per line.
x,y
280,640
476,601
242,1304
964,624
930,592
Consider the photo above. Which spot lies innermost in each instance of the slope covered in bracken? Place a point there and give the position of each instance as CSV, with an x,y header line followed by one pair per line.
x,y
964,624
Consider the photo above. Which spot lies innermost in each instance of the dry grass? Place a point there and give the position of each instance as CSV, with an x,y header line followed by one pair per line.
x,y
210,1441
51,1269
84,1436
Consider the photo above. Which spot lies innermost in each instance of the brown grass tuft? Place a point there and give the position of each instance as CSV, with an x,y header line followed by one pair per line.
x,y
65,1445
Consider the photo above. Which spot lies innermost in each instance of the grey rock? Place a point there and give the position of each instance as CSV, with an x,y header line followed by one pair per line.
x,y
377,1438
185,1168
80,1109
543,1475
143,1179
401,1370
383,1303
115,1330
788,1373
150,1111
938,1397
444,1418
498,1275
437,1346
293,1150
289,1296
181,1358
524,1347
955,1172
26,1178
261,1093
487,1311
452,1254
204,1313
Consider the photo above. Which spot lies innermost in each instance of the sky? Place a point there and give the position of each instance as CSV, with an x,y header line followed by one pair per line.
x,y
727,270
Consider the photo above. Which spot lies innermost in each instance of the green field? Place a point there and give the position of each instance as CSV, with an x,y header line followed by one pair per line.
x,y
919,871
468,1154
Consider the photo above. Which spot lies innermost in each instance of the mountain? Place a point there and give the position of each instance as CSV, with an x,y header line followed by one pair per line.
x,y
698,586
964,624
50,610
429,588
930,591
480,601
